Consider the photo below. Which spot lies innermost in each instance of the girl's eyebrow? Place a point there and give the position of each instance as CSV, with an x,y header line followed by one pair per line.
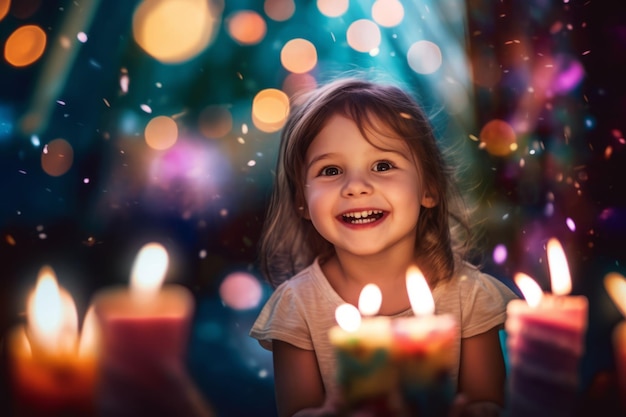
x,y
330,154
404,154
318,158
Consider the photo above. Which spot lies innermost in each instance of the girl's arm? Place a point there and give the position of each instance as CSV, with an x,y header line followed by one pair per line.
x,y
297,379
482,373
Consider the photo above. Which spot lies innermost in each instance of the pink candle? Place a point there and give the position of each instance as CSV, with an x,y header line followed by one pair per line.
x,y
545,342
52,367
615,285
146,325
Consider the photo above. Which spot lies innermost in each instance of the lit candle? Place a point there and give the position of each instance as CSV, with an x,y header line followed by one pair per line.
x,y
145,326
397,366
366,375
615,285
545,340
52,367
423,350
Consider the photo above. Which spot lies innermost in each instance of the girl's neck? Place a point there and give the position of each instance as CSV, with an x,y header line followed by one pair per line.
x,y
348,275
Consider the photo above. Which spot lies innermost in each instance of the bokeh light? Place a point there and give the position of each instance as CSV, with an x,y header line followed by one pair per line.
x,y
500,254
161,133
7,118
246,27
363,35
57,157
569,76
498,138
332,8
279,10
424,57
24,9
215,121
5,5
25,45
174,31
270,109
298,56
189,178
241,291
387,13
294,85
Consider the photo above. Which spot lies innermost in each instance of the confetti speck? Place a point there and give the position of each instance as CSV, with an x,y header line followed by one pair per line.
x,y
570,224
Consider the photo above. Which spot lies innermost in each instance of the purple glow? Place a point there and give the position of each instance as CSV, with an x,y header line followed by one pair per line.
x,y
499,254
570,224
571,73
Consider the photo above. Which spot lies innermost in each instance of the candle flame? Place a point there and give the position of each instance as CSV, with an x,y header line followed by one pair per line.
x,y
89,335
420,296
22,343
615,285
52,317
530,289
149,270
348,317
559,271
370,300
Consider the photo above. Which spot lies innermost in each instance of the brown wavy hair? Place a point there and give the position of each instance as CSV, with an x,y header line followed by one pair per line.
x,y
289,242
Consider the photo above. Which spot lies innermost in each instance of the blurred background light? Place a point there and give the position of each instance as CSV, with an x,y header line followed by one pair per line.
x,y
241,291
246,27
270,109
215,121
333,8
363,35
424,57
298,56
25,45
57,157
295,85
279,10
5,5
174,31
498,137
387,13
161,133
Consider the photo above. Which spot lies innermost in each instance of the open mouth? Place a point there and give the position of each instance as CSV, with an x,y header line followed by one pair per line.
x,y
362,217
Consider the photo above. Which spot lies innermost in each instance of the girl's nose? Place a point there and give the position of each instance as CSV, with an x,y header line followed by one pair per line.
x,y
356,185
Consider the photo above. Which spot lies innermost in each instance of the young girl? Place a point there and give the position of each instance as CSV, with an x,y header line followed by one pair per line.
x,y
362,192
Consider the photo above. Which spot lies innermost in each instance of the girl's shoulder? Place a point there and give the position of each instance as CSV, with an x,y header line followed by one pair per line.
x,y
309,282
305,277
470,277
470,284
476,298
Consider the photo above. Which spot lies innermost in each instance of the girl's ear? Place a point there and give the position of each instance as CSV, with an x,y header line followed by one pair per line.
x,y
428,200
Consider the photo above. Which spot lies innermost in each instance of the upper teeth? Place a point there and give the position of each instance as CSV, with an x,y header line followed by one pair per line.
x,y
364,213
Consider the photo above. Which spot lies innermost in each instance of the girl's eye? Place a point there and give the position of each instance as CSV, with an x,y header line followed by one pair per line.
x,y
383,166
330,171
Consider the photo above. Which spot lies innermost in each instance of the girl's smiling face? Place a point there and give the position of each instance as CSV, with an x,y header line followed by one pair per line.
x,y
362,196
